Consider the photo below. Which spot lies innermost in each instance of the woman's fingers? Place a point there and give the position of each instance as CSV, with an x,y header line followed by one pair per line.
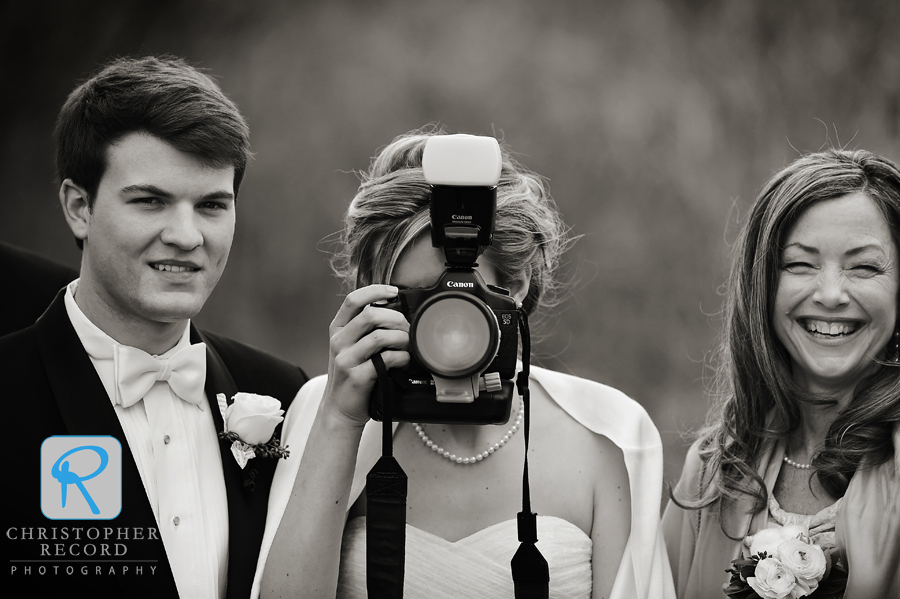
x,y
373,343
393,359
363,376
369,320
358,299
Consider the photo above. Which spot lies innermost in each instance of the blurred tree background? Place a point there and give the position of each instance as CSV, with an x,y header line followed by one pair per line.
x,y
656,123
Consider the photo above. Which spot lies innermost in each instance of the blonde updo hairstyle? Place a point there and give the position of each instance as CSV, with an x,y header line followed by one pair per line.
x,y
391,210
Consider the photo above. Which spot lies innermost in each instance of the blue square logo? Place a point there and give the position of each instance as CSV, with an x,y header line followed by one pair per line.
x,y
81,477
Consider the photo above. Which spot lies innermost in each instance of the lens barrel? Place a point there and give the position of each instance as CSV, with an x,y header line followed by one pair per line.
x,y
455,334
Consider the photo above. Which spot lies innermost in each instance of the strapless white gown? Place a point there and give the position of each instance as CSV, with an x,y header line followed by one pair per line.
x,y
476,566
644,570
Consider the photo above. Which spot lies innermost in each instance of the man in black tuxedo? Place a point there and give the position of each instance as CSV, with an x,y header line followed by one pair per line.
x,y
32,281
150,158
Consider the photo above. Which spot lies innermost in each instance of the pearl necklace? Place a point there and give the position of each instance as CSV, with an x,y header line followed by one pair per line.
x,y
477,457
791,462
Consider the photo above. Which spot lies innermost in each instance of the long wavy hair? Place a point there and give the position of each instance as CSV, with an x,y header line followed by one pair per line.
x,y
754,393
391,209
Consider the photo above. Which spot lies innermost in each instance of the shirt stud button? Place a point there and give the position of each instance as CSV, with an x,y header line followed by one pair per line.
x,y
176,520
166,441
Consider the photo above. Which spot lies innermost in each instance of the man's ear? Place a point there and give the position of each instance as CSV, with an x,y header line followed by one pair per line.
x,y
74,201
519,286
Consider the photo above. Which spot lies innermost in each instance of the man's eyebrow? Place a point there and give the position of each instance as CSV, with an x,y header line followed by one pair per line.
x,y
162,193
148,189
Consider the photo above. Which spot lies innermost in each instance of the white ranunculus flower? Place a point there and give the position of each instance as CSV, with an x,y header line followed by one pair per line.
x,y
772,580
769,539
805,561
795,531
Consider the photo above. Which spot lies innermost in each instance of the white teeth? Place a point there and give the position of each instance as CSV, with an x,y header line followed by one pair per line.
x,y
171,268
829,328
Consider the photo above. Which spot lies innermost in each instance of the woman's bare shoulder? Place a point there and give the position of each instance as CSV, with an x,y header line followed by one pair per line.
x,y
569,456
602,409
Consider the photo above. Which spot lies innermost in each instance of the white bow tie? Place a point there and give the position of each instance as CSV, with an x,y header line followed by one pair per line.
x,y
137,371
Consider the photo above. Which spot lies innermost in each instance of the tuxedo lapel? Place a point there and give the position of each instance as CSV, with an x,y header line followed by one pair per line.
x,y
218,380
86,409
79,394
246,506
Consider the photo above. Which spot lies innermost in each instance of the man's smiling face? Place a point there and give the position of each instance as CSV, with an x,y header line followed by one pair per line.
x,y
159,233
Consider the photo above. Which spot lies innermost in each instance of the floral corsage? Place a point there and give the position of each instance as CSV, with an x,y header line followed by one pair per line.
x,y
783,562
250,422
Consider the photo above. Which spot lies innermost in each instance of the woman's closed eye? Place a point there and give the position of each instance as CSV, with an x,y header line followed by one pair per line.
x,y
866,269
798,267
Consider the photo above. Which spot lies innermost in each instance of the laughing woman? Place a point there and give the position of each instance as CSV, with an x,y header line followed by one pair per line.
x,y
805,436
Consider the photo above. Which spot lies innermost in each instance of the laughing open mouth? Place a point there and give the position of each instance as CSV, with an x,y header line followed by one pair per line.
x,y
829,329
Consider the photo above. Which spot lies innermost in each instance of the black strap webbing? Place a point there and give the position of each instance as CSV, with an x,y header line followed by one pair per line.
x,y
386,488
385,508
530,572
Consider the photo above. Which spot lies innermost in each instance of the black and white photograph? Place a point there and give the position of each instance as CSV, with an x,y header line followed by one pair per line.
x,y
348,299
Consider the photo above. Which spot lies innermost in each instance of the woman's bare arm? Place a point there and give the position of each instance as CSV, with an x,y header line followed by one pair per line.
x,y
611,525
305,556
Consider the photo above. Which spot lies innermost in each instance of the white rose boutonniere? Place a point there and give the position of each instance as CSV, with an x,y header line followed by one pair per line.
x,y
253,417
250,422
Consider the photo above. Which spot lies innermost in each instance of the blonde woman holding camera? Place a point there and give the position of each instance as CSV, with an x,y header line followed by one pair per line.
x,y
595,458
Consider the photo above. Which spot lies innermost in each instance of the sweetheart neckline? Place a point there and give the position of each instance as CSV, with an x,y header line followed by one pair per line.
x,y
485,530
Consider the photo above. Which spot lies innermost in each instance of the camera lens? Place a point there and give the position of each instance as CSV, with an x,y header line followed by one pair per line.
x,y
455,335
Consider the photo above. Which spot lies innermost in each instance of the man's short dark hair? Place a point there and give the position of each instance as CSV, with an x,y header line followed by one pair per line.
x,y
163,96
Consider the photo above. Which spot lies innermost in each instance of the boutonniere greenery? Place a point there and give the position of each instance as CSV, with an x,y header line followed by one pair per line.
x,y
250,422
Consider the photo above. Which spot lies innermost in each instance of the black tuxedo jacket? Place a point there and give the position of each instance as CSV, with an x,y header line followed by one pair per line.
x,y
50,387
30,284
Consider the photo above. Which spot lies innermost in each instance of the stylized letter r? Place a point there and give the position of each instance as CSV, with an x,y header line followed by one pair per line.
x,y
67,478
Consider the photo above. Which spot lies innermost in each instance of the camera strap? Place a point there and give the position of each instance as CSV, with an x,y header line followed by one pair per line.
x,y
530,572
386,490
386,486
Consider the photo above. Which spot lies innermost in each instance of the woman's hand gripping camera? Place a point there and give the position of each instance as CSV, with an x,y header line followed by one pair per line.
x,y
359,331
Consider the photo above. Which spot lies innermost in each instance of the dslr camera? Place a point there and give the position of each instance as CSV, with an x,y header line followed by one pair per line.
x,y
463,333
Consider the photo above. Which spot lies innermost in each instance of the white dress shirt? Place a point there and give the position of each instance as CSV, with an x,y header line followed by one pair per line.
x,y
176,449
